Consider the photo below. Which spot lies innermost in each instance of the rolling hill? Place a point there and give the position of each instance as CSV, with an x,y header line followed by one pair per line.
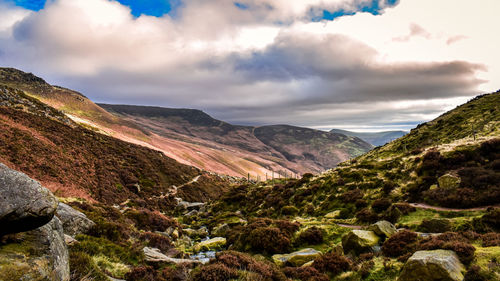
x,y
375,139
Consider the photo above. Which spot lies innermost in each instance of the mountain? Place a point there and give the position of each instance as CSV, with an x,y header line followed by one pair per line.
x,y
297,149
375,139
194,138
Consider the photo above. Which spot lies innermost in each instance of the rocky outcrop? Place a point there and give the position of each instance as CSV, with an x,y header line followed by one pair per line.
x,y
383,229
39,254
359,241
25,203
298,258
74,222
442,265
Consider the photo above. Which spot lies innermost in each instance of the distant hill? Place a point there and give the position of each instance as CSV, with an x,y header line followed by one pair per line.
x,y
298,150
193,137
375,139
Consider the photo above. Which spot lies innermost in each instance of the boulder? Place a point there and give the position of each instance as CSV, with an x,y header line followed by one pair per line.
x,y
442,265
383,229
155,255
24,203
39,254
221,230
333,215
448,181
359,241
298,258
74,222
216,243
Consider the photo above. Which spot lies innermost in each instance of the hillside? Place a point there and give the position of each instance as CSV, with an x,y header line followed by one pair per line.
x,y
294,149
191,136
375,139
76,162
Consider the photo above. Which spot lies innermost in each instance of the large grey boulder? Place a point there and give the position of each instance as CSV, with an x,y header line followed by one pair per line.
x,y
39,254
360,241
74,222
383,229
24,203
442,265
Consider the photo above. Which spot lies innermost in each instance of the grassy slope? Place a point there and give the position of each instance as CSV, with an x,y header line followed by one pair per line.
x,y
376,139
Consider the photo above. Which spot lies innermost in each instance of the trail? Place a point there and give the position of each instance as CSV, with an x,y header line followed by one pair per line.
x,y
435,208
175,188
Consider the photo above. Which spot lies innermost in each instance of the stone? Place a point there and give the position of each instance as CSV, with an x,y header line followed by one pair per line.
x,y
39,254
69,240
24,203
74,222
155,255
298,258
221,230
383,229
202,232
216,243
333,215
442,265
360,241
449,181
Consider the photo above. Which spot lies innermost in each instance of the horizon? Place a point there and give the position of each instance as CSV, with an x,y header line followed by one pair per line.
x,y
362,66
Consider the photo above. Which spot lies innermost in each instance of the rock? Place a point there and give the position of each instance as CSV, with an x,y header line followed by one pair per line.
x,y
298,258
24,203
69,240
234,221
202,232
155,255
216,243
39,254
448,181
221,230
333,215
359,241
442,265
383,229
74,222
434,225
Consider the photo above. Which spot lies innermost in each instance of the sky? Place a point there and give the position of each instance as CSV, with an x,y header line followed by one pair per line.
x,y
363,65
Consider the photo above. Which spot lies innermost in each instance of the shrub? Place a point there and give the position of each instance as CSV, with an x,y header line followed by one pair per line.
x,y
177,273
491,239
307,273
241,261
332,263
215,272
269,240
451,241
352,195
405,208
434,225
476,274
157,241
287,227
367,215
289,211
400,244
83,267
492,218
151,221
381,205
311,236
142,273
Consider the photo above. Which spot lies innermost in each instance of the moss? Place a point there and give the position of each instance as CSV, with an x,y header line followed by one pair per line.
x,y
116,269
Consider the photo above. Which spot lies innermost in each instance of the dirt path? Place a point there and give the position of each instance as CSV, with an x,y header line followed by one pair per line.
x,y
435,208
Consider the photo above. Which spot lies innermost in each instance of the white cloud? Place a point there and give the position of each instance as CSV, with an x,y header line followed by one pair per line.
x,y
269,60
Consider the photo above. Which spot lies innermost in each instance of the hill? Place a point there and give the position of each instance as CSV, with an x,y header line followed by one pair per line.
x,y
375,139
190,136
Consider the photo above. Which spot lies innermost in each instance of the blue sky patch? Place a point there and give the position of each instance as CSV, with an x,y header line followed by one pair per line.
x,y
241,6
155,8
372,7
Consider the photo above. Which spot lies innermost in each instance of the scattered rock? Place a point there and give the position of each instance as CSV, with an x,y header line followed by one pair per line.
x,y
449,181
69,240
221,230
383,229
74,222
211,244
359,241
298,258
333,215
155,255
24,203
39,254
442,265
202,232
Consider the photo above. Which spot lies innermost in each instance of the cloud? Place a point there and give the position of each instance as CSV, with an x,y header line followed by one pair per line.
x,y
266,63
